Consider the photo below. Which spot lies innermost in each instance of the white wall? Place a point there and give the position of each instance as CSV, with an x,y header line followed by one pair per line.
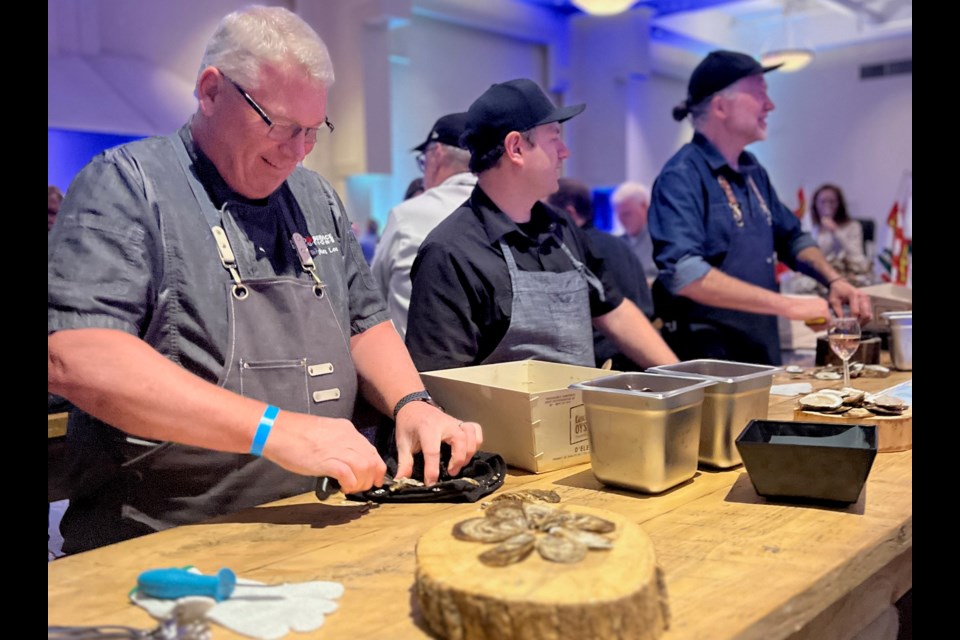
x,y
129,67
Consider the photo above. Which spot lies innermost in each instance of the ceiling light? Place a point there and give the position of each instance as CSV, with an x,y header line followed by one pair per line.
x,y
791,59
603,7
786,48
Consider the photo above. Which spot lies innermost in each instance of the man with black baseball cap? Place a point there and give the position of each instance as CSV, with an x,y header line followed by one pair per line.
x,y
447,183
718,227
506,277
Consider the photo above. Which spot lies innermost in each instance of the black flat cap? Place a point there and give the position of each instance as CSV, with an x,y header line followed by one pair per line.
x,y
446,130
516,105
716,72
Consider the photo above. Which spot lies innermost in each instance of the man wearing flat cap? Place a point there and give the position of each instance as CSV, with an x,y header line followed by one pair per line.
x,y
506,277
447,183
718,228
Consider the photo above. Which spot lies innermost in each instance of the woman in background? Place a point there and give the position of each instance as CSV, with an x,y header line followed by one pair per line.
x,y
839,236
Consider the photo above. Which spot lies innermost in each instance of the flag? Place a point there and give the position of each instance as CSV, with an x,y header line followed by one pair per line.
x,y
801,204
896,258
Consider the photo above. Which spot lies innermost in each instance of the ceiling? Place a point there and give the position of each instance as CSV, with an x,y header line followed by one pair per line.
x,y
755,26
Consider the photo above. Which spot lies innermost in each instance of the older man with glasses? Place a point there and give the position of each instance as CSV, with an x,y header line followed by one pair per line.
x,y
447,183
210,313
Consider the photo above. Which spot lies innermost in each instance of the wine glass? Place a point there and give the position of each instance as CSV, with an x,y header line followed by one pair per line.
x,y
844,337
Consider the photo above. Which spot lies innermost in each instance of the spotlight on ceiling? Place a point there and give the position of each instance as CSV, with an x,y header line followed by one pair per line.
x,y
603,7
792,59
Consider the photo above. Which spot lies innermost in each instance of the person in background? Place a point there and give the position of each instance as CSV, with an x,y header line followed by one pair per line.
x,y
718,226
415,188
369,239
211,316
447,182
839,236
506,277
54,198
631,202
574,198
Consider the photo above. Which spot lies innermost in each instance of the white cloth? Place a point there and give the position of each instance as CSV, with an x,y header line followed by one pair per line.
x,y
791,389
408,224
265,612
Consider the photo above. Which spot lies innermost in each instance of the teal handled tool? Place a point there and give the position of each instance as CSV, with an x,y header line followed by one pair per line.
x,y
170,584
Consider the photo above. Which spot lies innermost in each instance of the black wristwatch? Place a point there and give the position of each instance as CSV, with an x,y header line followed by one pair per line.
x,y
422,396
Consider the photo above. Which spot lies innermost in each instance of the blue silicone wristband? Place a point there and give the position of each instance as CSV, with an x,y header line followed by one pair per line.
x,y
263,429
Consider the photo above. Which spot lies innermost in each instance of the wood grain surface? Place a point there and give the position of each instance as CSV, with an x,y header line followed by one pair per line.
x,y
736,566
894,433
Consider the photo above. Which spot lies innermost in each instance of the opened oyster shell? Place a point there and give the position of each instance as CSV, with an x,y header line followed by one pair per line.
x,y
821,402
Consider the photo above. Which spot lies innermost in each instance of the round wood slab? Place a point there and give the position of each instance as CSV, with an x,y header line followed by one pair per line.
x,y
617,593
894,433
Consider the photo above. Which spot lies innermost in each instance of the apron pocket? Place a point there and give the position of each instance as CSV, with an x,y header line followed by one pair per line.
x,y
283,383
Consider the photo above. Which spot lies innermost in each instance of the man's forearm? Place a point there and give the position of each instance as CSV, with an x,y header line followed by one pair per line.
x,y
384,366
123,381
717,289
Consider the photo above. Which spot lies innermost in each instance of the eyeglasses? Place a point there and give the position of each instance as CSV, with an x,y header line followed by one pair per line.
x,y
281,132
421,158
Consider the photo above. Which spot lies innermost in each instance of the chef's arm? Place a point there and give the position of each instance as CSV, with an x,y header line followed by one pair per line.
x,y
840,291
123,381
717,289
632,332
387,373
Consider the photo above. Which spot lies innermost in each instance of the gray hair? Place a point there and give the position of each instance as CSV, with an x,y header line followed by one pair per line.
x,y
458,158
630,191
699,111
254,36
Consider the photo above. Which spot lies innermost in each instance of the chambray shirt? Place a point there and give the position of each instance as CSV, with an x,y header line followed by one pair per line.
x,y
690,219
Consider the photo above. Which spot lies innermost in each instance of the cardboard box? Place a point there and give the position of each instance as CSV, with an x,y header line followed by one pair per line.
x,y
887,297
528,414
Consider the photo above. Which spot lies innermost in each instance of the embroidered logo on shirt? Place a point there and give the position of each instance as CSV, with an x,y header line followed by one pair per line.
x,y
322,244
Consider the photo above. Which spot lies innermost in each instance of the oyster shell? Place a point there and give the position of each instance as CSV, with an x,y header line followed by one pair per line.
x,y
530,495
820,402
590,539
488,529
828,375
560,548
510,551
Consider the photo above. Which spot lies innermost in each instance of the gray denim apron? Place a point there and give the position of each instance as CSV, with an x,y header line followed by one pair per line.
x,y
550,317
286,347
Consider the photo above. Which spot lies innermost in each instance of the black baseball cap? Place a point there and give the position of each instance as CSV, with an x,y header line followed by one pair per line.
x,y
446,130
515,105
716,72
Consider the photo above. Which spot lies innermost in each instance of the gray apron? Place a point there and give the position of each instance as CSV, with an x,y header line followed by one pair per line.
x,y
550,317
286,347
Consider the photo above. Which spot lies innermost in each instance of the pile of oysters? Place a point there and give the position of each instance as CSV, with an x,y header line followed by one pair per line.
x,y
852,403
520,522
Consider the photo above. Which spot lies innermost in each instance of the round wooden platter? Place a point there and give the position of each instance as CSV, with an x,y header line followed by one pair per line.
x,y
615,593
894,433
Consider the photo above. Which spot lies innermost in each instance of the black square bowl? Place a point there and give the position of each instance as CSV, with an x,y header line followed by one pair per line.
x,y
808,461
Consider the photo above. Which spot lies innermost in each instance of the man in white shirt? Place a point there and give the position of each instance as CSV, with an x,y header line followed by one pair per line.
x,y
448,183
630,201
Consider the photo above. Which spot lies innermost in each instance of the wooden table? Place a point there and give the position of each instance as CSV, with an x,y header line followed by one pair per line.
x,y
736,566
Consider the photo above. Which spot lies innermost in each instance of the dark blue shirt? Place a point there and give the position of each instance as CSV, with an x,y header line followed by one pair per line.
x,y
690,218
